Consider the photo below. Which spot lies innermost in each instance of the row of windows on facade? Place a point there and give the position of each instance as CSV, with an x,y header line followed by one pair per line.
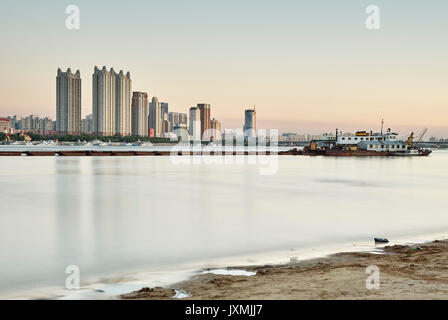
x,y
362,139
387,146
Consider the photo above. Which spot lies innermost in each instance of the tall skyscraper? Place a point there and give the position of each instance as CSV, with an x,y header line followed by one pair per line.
x,y
250,123
103,103
155,117
195,124
111,102
205,119
123,103
68,102
140,114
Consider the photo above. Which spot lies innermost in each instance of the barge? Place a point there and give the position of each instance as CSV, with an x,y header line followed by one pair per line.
x,y
363,144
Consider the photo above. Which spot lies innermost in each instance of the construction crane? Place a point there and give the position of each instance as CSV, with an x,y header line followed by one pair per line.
x,y
410,140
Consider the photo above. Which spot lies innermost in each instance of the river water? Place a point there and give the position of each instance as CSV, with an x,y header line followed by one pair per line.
x,y
118,215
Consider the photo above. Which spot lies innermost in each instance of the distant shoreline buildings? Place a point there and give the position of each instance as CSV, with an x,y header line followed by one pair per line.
x,y
117,110
31,123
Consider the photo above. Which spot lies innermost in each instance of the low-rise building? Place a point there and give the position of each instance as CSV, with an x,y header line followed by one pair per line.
x,y
4,125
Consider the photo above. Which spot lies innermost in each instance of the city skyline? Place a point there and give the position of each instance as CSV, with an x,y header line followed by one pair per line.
x,y
304,75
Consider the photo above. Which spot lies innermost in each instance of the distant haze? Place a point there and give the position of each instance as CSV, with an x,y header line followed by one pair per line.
x,y
308,66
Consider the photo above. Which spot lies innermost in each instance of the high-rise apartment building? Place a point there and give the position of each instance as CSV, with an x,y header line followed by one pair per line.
x,y
103,102
46,125
111,102
183,118
205,119
12,122
68,102
87,124
140,114
164,107
155,117
166,125
250,123
173,118
195,124
123,103
177,118
215,129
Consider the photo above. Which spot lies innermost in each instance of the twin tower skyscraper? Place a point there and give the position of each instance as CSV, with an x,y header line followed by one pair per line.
x,y
111,102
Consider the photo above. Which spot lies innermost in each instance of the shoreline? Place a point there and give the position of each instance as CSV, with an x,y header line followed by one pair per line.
x,y
102,153
415,271
133,153
175,279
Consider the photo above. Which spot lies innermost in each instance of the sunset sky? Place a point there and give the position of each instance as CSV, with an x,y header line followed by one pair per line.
x,y
308,66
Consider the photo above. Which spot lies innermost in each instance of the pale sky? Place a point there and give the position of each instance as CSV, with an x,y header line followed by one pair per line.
x,y
308,66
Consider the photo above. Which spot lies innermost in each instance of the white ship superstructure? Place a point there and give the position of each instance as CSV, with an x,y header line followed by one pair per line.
x,y
379,142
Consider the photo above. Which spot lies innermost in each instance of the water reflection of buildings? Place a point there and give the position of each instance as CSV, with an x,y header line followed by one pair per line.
x,y
90,213
69,195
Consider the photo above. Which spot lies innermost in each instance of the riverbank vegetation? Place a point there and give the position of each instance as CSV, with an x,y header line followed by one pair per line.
x,y
84,137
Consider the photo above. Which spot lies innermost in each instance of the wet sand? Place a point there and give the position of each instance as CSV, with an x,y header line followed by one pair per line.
x,y
406,272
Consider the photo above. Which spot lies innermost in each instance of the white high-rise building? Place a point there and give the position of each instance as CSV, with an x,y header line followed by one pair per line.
x,y
111,102
195,124
140,114
155,117
103,103
123,103
68,102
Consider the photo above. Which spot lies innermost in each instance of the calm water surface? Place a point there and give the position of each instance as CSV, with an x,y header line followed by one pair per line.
x,y
115,214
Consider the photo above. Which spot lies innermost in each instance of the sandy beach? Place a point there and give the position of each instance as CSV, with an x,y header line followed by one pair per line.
x,y
406,272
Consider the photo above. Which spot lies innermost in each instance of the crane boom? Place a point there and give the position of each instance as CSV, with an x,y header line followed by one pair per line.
x,y
410,140
420,137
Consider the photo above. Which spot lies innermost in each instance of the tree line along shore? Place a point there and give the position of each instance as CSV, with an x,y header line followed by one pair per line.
x,y
82,137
